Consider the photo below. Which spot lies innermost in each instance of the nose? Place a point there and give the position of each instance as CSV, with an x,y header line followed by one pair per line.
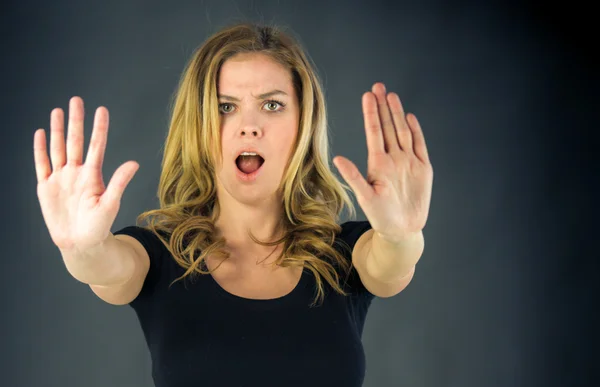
x,y
251,131
250,124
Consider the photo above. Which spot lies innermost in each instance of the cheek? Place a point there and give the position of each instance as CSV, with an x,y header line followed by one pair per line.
x,y
226,136
290,129
293,135
283,143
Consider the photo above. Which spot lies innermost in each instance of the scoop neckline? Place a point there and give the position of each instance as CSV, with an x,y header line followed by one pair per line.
x,y
258,301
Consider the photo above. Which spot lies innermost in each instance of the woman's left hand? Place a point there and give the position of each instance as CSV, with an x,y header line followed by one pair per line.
x,y
396,195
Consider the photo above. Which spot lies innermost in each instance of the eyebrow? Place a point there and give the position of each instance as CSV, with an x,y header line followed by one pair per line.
x,y
262,96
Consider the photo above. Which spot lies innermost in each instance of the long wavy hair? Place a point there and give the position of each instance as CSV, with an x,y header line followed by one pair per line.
x,y
313,197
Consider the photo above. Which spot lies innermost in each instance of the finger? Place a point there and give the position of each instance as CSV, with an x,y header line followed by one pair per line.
x,y
57,138
389,132
117,184
375,141
402,129
95,155
40,156
418,138
353,177
75,131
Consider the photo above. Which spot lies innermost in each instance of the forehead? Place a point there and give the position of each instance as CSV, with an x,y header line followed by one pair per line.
x,y
253,73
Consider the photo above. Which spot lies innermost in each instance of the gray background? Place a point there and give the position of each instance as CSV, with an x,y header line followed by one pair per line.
x,y
503,293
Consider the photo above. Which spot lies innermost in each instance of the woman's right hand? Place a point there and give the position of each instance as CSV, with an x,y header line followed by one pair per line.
x,y
78,209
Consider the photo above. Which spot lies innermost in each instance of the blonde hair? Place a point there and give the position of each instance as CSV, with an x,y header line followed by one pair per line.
x,y
313,197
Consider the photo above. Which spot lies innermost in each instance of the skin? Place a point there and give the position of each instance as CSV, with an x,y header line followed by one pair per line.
x,y
395,195
265,125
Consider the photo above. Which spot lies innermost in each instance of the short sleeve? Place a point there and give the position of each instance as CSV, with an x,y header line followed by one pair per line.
x,y
156,252
351,232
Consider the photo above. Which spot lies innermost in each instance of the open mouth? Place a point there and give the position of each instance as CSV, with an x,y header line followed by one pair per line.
x,y
249,162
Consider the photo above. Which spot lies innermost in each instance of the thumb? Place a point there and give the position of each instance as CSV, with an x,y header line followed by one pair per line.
x,y
356,181
118,183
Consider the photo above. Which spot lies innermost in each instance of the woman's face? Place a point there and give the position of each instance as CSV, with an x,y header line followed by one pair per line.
x,y
260,112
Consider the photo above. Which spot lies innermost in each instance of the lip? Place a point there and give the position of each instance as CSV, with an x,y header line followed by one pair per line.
x,y
248,177
248,149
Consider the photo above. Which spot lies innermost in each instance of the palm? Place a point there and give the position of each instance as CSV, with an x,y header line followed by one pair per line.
x,y
77,207
73,205
396,194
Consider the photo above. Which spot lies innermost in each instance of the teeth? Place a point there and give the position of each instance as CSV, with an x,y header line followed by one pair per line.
x,y
248,154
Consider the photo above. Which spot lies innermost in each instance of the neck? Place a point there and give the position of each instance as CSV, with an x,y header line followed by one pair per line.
x,y
236,220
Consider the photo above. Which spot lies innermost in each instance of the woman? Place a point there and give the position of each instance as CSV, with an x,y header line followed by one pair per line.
x,y
243,276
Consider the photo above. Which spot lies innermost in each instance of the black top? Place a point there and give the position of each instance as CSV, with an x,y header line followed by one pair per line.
x,y
200,335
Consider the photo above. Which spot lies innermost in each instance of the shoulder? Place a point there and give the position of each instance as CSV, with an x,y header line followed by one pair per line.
x,y
158,255
350,233
352,236
148,239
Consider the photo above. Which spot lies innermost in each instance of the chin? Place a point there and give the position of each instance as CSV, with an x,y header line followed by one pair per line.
x,y
248,195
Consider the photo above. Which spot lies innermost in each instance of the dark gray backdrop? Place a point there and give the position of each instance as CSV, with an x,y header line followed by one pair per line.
x,y
503,294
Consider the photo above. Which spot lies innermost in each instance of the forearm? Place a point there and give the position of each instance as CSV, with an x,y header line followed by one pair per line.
x,y
391,259
110,263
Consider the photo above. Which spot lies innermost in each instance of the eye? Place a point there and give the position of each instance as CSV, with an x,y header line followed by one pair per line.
x,y
226,108
275,102
222,105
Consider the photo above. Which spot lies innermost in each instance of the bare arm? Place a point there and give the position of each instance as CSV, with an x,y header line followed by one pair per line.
x,y
79,209
115,270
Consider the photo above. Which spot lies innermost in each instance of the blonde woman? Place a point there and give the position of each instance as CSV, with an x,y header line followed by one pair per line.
x,y
244,276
